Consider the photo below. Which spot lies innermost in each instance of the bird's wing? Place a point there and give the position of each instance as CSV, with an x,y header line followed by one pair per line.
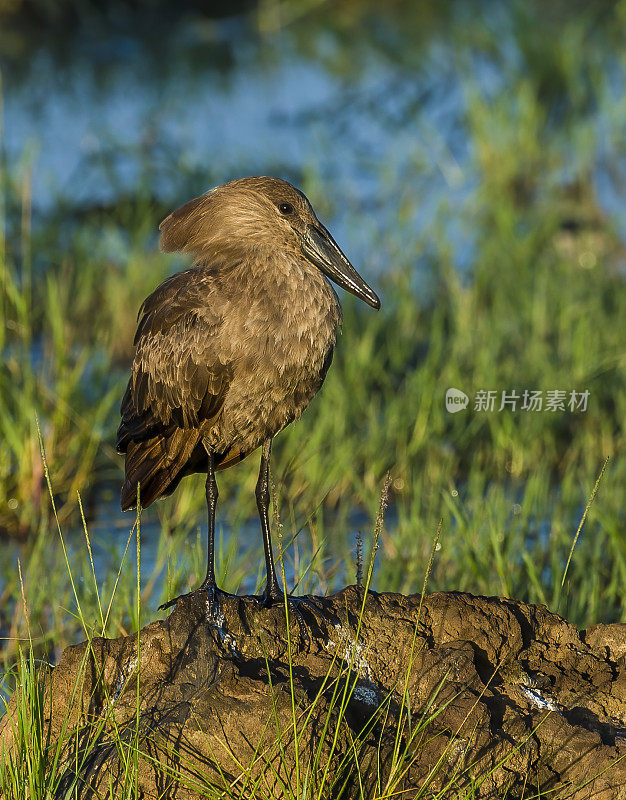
x,y
177,377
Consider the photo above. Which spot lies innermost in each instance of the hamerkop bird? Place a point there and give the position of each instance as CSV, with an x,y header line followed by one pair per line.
x,y
233,349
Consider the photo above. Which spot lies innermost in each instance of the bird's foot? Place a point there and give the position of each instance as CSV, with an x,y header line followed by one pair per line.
x,y
212,598
273,596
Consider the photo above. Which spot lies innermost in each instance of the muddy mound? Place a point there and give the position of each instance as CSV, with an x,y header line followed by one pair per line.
x,y
478,692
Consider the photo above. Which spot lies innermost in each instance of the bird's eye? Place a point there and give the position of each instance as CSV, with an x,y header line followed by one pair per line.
x,y
285,208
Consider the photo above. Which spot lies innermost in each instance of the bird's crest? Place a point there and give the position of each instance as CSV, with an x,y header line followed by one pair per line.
x,y
181,229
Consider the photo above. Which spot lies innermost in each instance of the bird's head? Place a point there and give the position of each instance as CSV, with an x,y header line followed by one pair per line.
x,y
260,215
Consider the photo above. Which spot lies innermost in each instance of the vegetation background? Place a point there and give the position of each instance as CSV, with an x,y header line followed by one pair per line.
x,y
471,160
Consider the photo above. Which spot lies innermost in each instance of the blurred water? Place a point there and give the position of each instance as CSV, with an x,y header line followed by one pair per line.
x,y
204,103
375,118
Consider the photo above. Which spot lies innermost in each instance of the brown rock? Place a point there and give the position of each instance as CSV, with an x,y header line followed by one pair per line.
x,y
485,692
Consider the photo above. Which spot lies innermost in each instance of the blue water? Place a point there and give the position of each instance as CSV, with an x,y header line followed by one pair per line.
x,y
111,116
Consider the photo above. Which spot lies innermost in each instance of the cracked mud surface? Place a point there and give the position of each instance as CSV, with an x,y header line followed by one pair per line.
x,y
518,700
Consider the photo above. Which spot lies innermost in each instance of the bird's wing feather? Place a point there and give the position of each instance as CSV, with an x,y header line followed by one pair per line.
x,y
177,378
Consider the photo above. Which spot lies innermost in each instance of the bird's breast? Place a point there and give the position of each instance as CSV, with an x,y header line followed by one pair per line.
x,y
281,350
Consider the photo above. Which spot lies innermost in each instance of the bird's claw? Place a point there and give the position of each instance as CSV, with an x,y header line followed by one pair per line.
x,y
212,600
268,599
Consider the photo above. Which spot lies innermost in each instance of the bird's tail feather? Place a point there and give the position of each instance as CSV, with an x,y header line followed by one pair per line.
x,y
157,465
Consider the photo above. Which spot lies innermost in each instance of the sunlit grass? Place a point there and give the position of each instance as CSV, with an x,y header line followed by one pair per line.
x,y
47,760
539,304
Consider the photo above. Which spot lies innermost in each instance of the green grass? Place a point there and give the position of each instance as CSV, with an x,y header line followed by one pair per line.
x,y
541,306
46,758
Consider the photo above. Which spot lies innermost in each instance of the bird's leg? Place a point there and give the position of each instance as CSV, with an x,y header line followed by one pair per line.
x,y
272,591
209,584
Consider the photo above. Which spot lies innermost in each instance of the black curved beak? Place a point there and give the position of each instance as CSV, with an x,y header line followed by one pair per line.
x,y
323,251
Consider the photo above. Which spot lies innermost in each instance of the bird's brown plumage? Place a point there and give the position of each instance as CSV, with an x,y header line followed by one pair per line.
x,y
233,349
